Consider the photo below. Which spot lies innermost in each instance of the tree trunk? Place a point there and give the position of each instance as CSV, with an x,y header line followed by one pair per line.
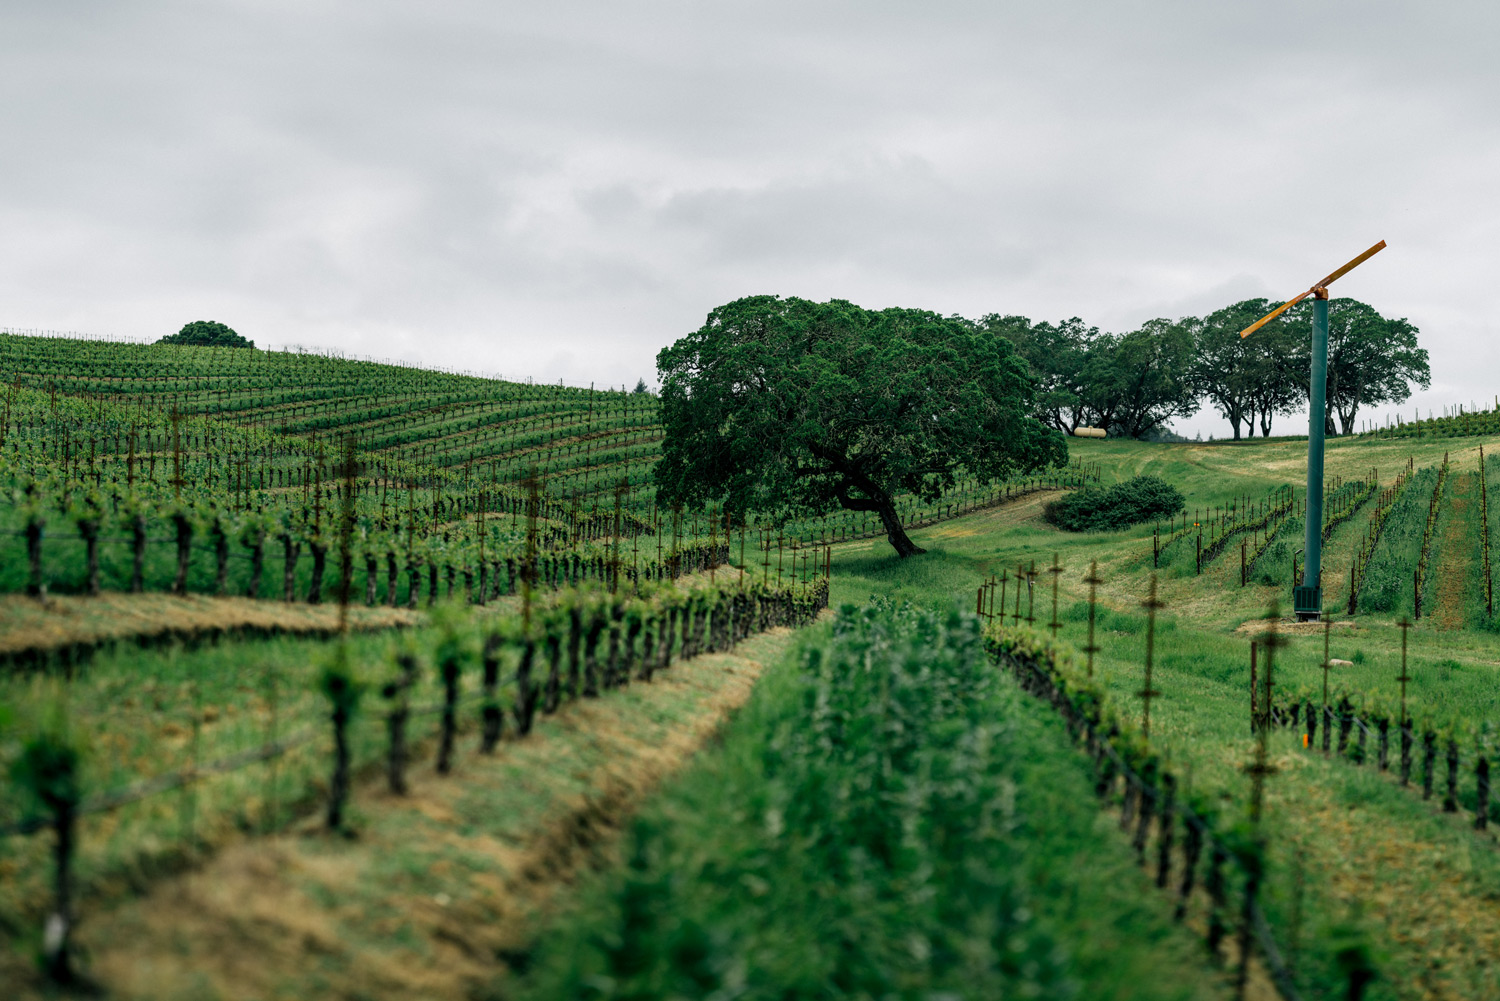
x,y
221,560
56,954
257,564
339,787
138,554
575,642
553,691
320,562
526,693
184,552
90,531
891,521
494,719
449,672
289,552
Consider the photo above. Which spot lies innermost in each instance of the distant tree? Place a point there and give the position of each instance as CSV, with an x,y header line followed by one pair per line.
x,y
1371,359
785,406
1132,384
640,386
1136,383
207,333
1278,366
1058,355
1223,361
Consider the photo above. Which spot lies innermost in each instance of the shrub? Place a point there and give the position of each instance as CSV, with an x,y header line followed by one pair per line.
x,y
208,334
1102,509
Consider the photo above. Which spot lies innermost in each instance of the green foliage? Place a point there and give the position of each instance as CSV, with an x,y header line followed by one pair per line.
x,y
890,820
208,334
1245,378
1101,509
1131,384
1275,564
48,767
339,683
1388,580
1354,954
1461,425
1371,359
785,406
457,643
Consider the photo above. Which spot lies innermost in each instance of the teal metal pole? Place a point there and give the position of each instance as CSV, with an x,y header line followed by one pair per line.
x,y
1308,599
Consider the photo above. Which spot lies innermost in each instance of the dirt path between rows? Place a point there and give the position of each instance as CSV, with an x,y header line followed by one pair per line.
x,y
1453,564
438,888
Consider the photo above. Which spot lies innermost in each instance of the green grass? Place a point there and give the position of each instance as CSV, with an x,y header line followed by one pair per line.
x,y
145,712
431,889
1388,582
1366,850
889,817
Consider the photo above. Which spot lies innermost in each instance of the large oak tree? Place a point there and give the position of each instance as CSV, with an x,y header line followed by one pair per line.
x,y
1371,359
790,407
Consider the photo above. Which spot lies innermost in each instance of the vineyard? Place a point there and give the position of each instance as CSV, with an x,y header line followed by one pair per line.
x,y
1463,423
216,471
404,678
130,470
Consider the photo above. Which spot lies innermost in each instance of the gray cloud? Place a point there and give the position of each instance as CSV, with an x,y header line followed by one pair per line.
x,y
559,190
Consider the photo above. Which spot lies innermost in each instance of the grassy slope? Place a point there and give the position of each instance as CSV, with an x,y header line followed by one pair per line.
x,y
1427,885
465,430
712,862
435,885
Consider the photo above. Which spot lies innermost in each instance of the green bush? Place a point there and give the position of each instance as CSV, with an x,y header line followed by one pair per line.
x,y
208,334
1103,509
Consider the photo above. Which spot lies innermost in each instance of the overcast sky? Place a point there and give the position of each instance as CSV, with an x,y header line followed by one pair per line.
x,y
559,190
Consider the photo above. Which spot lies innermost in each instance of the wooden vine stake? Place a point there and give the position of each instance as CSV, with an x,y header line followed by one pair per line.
x,y
338,682
48,768
1147,693
1055,570
1093,581
528,567
614,577
1484,525
1327,627
1404,677
1260,769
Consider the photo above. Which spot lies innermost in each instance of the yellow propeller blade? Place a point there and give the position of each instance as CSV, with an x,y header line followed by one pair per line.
x,y
1273,314
1341,272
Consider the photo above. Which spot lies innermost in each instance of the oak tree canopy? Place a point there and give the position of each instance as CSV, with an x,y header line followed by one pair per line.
x,y
788,407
